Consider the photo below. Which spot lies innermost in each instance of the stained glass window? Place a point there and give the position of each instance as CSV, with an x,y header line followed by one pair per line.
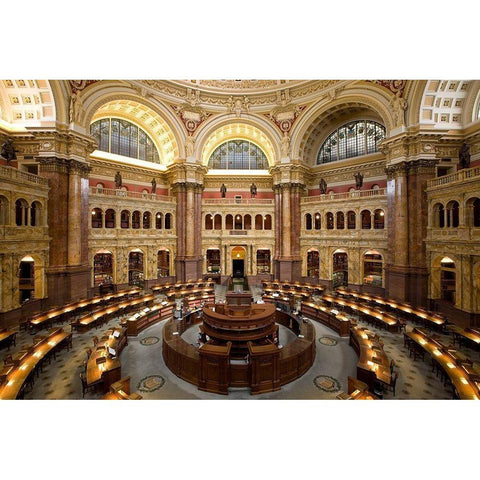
x,y
351,140
238,155
121,137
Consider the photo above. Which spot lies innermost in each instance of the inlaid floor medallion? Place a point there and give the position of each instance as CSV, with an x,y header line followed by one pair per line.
x,y
329,341
327,383
151,383
149,341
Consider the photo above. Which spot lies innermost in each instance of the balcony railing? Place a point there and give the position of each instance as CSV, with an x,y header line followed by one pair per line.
x,y
240,201
112,192
379,192
14,174
459,176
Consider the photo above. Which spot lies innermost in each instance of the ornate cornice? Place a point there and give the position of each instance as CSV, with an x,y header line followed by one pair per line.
x,y
63,165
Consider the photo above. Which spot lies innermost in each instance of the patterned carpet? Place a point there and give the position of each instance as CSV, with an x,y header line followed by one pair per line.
x,y
142,360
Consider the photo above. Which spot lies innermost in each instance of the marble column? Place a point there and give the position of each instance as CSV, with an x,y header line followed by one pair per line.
x,y
68,274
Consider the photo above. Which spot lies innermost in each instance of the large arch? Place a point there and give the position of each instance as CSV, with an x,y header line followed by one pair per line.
x,y
227,127
106,99
355,101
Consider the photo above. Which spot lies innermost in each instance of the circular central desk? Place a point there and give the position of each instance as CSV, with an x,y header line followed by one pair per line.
x,y
240,351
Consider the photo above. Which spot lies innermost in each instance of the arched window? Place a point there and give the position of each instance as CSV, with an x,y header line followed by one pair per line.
x,y
366,219
229,222
438,215
4,210
318,221
121,137
136,219
351,140
238,155
329,221
110,218
452,214
35,214
308,221
125,219
258,222
97,217
267,222
351,220
473,209
238,222
340,221
146,219
208,222
158,220
21,212
168,221
247,222
379,219
217,222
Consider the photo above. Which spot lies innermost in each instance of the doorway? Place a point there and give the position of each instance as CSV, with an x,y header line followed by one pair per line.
x,y
238,262
238,268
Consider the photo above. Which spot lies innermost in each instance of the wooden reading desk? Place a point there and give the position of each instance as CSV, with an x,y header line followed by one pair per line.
x,y
46,319
465,378
102,367
382,319
373,363
25,362
7,337
429,319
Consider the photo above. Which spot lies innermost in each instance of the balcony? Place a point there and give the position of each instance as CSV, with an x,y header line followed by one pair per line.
x,y
458,177
237,201
112,192
355,195
11,173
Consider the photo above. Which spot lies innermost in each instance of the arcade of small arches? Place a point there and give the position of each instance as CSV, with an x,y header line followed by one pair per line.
x,y
452,213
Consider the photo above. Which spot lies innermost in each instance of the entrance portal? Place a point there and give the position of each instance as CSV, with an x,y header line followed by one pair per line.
x,y
238,268
238,262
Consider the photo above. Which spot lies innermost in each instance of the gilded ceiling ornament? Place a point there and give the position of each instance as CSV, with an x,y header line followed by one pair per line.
x,y
79,85
191,115
395,86
237,105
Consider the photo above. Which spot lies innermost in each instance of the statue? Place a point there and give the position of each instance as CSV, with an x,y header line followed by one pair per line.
x,y
323,186
285,145
399,105
154,185
223,190
464,156
8,151
189,146
71,108
118,180
358,180
253,190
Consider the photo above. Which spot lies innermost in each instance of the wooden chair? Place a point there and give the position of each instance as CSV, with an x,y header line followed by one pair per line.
x,y
85,386
95,340
392,366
